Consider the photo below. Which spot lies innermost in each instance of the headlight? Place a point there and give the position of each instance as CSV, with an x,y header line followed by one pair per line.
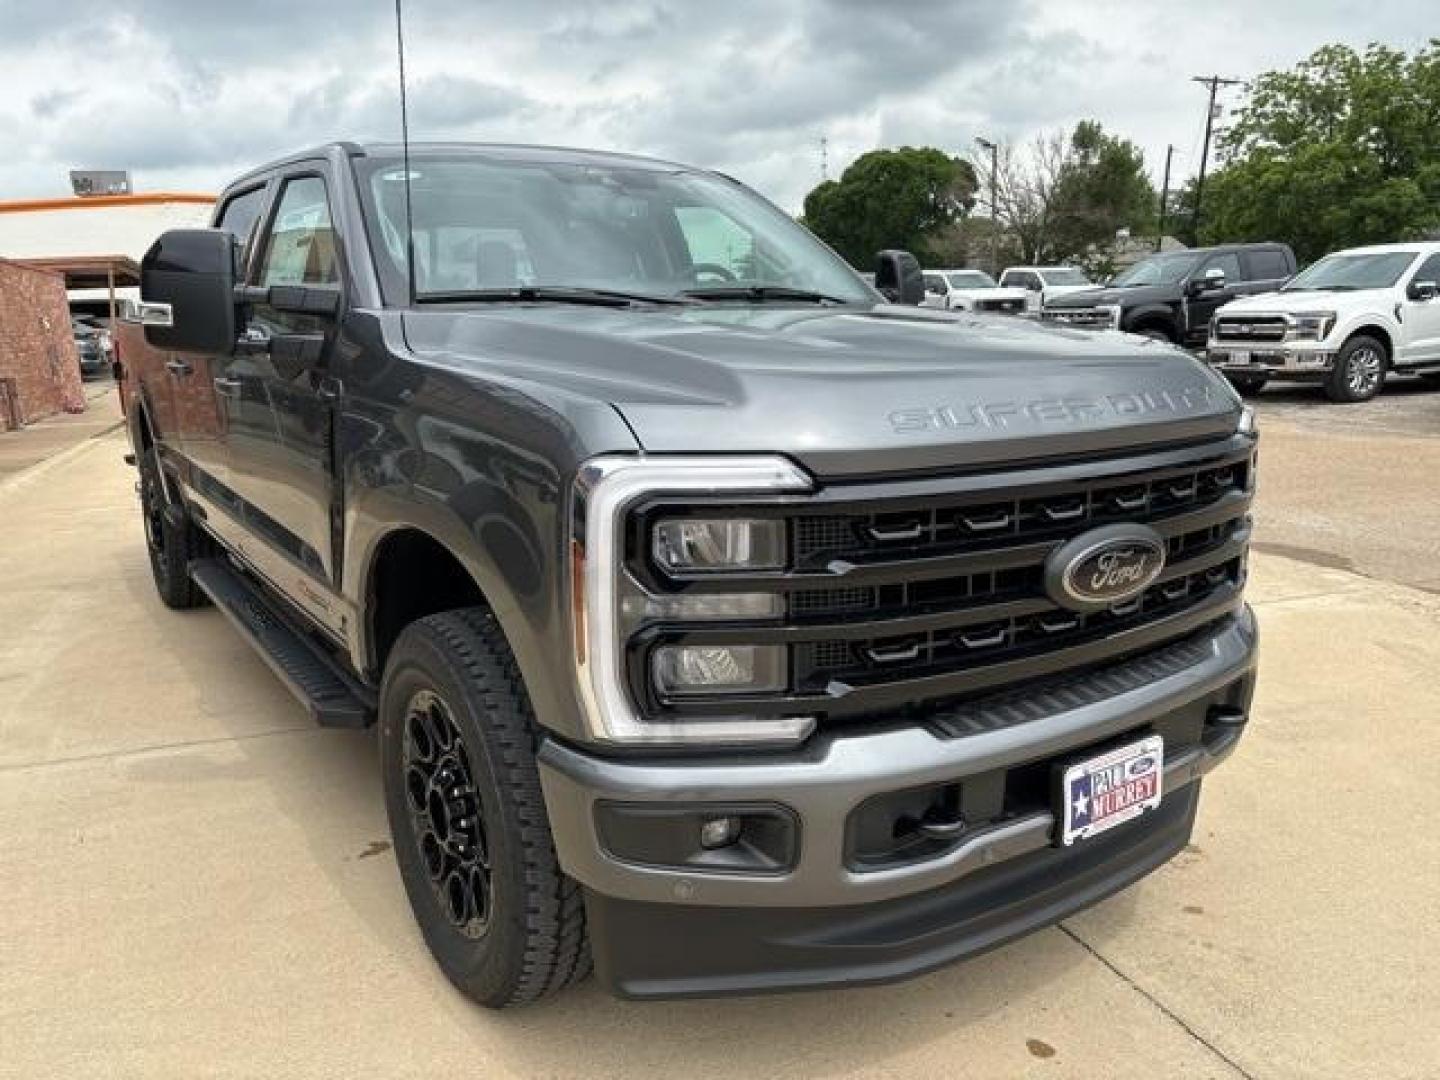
x,y
699,545
1112,313
1311,325
610,605
1246,426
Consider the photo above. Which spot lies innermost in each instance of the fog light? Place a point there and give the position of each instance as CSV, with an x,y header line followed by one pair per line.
x,y
720,669
719,832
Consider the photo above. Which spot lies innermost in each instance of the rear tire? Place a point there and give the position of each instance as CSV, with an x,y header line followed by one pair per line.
x,y
472,840
172,538
1359,371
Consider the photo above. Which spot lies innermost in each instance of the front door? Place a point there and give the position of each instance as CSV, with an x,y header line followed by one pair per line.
x,y
278,419
1421,319
1202,305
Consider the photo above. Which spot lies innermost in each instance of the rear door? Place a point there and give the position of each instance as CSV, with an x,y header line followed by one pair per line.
x,y
198,415
1266,269
279,415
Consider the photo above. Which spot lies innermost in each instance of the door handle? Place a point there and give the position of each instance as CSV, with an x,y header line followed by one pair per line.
x,y
227,387
178,367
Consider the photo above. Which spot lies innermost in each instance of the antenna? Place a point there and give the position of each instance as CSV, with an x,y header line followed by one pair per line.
x,y
405,150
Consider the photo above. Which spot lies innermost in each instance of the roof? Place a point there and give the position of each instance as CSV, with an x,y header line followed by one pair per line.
x,y
90,202
502,151
88,271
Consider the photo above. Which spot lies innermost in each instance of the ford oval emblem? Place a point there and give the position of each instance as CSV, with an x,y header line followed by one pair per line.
x,y
1104,567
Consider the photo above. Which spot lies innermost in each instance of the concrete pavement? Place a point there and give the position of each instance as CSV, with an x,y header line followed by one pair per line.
x,y
198,882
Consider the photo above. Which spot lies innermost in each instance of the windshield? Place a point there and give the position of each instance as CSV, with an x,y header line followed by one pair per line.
x,y
1158,270
483,224
1065,276
971,279
1343,273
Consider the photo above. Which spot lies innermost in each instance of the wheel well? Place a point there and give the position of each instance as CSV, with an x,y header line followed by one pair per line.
x,y
413,576
1380,334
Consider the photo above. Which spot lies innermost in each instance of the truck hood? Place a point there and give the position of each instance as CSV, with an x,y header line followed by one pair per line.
x,y
844,391
1128,296
1053,291
1298,300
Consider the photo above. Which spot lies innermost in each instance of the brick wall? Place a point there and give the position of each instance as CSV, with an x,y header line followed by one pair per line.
x,y
37,349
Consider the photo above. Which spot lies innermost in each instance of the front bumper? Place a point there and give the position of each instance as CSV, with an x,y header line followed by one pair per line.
x,y
1272,359
666,931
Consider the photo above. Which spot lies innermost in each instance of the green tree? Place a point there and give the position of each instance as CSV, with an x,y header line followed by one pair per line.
x,y
905,198
1342,150
1102,188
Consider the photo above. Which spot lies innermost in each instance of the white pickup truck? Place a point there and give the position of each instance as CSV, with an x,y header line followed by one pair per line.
x,y
1044,283
1345,322
970,290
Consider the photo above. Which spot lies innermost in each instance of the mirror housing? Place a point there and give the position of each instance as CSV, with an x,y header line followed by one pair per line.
x,y
1422,290
189,276
1212,279
899,278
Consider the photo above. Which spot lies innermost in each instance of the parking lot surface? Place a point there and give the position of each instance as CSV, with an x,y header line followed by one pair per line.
x,y
198,882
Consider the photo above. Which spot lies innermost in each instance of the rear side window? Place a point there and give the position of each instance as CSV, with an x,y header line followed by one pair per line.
x,y
239,214
301,246
1267,265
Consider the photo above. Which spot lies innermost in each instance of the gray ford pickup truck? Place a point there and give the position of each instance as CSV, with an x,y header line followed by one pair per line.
x,y
722,622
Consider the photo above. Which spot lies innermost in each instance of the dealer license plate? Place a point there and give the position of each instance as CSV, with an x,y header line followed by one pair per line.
x,y
1241,356
1111,789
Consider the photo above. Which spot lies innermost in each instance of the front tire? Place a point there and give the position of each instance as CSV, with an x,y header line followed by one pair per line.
x,y
1155,333
1359,370
472,840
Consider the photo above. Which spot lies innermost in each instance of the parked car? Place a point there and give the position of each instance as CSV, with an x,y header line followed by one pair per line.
x,y
970,290
92,344
1346,322
1042,283
1171,296
749,634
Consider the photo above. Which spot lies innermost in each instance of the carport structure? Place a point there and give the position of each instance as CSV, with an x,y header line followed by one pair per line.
x,y
108,272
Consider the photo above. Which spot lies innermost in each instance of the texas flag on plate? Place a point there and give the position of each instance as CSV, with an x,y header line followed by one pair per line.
x,y
1108,790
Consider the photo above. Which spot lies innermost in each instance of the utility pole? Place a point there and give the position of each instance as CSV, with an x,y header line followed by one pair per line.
x,y
1214,82
1164,198
986,144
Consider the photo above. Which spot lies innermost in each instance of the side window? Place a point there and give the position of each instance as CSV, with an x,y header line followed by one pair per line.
x,y
1229,263
1031,282
239,214
300,249
1429,270
1012,279
715,240
1267,265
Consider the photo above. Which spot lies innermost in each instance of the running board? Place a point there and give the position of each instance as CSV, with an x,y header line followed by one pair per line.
x,y
332,698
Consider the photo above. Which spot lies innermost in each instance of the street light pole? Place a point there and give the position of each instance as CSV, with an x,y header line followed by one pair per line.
x,y
1164,199
986,144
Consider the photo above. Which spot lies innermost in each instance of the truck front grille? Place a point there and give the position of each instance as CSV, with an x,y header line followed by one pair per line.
x,y
1253,328
1089,318
1007,307
906,598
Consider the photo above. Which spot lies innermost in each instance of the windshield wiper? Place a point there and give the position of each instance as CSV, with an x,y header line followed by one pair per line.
x,y
761,293
564,294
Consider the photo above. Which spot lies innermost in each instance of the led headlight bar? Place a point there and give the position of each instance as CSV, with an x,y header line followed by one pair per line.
x,y
604,597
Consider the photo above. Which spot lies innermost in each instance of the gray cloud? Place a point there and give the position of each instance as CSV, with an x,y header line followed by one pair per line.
x,y
188,92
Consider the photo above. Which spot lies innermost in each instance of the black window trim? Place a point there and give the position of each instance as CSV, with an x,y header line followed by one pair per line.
x,y
280,181
227,199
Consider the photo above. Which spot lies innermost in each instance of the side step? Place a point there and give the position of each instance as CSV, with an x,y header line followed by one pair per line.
x,y
332,698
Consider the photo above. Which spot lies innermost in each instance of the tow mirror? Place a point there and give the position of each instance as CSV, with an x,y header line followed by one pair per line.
x,y
1209,281
899,278
1422,290
187,289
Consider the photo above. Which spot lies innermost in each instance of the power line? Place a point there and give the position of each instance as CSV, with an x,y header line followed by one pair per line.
x,y
1214,82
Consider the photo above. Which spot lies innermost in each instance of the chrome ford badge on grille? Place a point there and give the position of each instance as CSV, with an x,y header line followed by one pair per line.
x,y
1104,567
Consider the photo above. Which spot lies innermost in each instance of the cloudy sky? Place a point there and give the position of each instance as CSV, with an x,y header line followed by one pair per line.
x,y
184,93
